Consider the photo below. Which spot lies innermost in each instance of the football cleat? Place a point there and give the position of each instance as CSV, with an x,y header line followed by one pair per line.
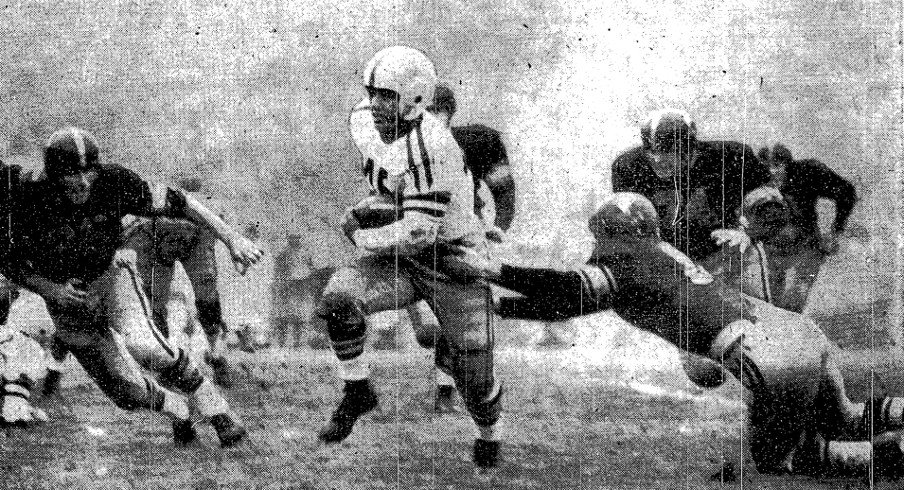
x,y
358,399
229,432
486,453
184,433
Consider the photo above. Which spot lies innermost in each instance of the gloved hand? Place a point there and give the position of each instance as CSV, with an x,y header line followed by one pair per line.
x,y
734,238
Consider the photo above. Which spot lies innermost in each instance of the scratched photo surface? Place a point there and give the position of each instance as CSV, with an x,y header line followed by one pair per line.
x,y
246,105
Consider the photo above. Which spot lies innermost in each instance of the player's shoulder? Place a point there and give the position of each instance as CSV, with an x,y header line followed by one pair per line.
x,y
478,132
629,160
361,126
725,149
434,136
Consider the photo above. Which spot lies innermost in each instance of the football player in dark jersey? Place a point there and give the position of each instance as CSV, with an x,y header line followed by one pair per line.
x,y
784,248
800,418
64,226
696,186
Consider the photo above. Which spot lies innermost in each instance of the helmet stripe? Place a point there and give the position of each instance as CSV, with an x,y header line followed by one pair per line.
x,y
79,141
372,77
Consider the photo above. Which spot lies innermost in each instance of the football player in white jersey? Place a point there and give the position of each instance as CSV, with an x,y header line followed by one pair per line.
x,y
418,173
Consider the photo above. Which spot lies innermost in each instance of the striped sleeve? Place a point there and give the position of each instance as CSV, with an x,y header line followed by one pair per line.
x,y
434,204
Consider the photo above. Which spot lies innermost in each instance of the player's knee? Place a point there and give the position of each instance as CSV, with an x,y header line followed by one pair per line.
x,y
343,313
471,341
486,408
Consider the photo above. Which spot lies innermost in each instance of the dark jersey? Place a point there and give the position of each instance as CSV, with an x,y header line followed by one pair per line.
x,y
486,158
644,285
804,182
46,235
699,201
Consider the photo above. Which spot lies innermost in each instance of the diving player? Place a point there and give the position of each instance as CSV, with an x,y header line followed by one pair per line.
x,y
800,419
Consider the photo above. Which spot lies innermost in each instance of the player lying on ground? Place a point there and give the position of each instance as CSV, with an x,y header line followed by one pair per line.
x,y
799,414
158,243
422,171
486,158
64,227
21,365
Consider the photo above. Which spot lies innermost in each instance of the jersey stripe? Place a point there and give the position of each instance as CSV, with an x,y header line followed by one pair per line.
x,y
441,197
425,158
412,166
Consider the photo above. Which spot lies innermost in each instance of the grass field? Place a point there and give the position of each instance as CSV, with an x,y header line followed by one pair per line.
x,y
620,416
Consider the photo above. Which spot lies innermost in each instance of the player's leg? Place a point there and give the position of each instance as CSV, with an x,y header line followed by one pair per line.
x,y
795,394
426,331
373,284
200,265
128,313
465,348
21,364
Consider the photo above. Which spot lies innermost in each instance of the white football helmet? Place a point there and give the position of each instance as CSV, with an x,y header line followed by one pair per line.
x,y
406,71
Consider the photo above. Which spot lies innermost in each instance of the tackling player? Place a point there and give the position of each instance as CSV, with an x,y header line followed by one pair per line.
x,y
414,166
486,158
800,419
64,227
696,186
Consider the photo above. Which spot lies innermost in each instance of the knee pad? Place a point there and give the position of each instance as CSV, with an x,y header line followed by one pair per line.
x,y
182,375
475,379
486,411
340,311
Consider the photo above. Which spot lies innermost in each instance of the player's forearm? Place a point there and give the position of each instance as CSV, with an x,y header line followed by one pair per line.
x,y
408,236
844,206
574,292
524,308
504,200
201,215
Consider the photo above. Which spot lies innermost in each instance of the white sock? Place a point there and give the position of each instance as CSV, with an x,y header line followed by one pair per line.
x,y
174,406
443,379
354,369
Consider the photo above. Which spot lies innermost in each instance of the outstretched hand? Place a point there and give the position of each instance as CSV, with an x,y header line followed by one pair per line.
x,y
245,253
734,238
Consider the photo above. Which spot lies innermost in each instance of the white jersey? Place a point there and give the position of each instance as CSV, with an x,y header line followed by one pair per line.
x,y
425,171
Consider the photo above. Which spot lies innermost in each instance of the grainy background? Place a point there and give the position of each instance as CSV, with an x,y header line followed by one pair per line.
x,y
252,97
